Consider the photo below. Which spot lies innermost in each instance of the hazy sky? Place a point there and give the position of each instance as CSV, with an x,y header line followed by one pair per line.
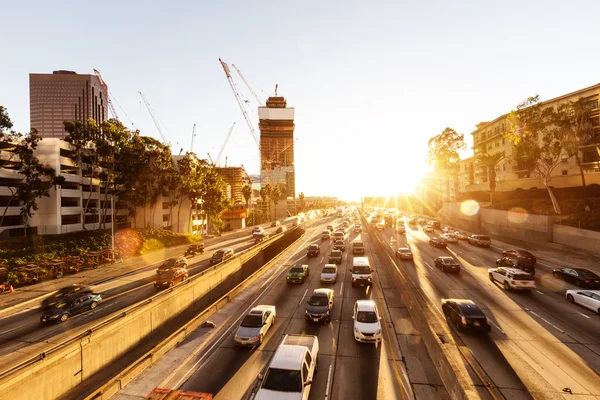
x,y
370,81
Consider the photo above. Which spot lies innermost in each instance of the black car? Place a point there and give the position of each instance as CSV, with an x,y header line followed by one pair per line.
x,y
70,306
62,293
447,264
438,242
515,263
313,250
522,256
436,224
194,250
335,257
578,276
221,255
339,245
465,314
319,306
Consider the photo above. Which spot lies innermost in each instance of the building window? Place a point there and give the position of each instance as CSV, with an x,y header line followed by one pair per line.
x,y
497,144
565,172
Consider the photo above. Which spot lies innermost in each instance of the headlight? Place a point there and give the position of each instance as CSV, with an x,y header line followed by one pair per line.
x,y
305,312
254,337
356,330
327,312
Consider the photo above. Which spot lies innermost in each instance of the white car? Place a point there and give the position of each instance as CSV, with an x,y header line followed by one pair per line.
x,y
512,278
329,273
428,229
255,325
461,235
367,322
357,228
587,298
258,230
449,237
448,229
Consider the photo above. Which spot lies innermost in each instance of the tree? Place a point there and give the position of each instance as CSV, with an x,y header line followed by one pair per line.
x,y
247,193
301,199
490,161
443,153
536,135
276,197
213,196
266,193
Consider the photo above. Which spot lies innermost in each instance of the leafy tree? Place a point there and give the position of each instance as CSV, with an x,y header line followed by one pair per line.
x,y
213,196
247,193
276,197
443,153
490,161
301,199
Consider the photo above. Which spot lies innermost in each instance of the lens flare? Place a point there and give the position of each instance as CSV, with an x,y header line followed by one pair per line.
x,y
469,207
517,215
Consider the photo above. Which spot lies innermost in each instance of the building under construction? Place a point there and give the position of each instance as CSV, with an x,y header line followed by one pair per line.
x,y
276,124
236,178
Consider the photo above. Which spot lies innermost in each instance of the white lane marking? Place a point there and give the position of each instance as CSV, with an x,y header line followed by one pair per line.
x,y
430,267
539,292
342,289
20,326
497,327
328,382
587,316
302,298
546,321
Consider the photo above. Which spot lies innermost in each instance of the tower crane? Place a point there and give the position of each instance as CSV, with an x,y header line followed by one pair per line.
x,y
153,115
239,101
224,144
193,137
247,85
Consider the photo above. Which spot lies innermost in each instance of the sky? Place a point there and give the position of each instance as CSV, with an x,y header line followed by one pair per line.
x,y
370,82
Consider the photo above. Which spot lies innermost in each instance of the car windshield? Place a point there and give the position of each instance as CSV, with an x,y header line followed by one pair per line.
x,y
297,269
282,380
404,251
219,253
313,247
366,316
252,321
329,270
361,270
62,304
484,238
168,264
471,310
336,253
318,301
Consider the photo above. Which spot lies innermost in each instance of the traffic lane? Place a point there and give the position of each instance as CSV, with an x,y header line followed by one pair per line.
x,y
515,326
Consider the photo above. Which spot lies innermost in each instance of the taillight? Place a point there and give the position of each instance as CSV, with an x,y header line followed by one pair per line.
x,y
587,281
513,282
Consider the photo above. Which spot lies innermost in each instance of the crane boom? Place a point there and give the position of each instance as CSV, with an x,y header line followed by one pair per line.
x,y
224,144
108,99
193,137
239,101
247,85
151,111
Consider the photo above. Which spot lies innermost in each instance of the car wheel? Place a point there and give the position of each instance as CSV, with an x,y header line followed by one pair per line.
x,y
555,274
184,278
58,275
506,285
570,298
492,278
93,305
64,317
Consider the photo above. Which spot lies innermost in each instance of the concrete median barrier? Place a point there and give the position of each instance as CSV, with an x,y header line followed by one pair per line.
x,y
123,336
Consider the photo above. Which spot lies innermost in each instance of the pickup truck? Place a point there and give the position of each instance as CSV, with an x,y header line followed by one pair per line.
x,y
297,274
290,373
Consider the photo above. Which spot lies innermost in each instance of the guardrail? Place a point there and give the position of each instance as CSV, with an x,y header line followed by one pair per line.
x,y
133,321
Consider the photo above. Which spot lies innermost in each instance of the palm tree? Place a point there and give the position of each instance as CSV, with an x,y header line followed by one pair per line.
x,y
301,198
276,196
247,193
490,161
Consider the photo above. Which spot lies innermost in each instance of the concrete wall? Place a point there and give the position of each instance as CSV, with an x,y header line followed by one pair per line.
x,y
574,237
68,365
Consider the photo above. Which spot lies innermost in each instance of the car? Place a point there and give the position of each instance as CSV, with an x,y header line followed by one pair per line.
x,y
357,228
255,326
329,273
319,306
339,245
313,250
64,292
514,263
465,314
421,221
449,237
325,235
578,276
172,263
275,223
346,224
512,278
438,242
461,235
335,257
367,322
480,240
400,229
412,222
70,306
171,278
436,224
404,253
428,229
588,298
330,228
448,229
338,235
258,229
281,229
297,273
380,226
221,255
447,264
194,249
522,256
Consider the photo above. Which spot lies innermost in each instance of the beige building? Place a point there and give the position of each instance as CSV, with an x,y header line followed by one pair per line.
x,y
235,178
65,96
510,175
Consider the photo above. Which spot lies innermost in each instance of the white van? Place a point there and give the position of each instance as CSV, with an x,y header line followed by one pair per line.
x,y
362,273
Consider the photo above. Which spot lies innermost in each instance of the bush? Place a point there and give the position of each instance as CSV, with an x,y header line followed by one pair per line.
x,y
584,220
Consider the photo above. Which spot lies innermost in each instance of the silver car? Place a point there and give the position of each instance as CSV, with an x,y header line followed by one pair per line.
x,y
329,273
255,326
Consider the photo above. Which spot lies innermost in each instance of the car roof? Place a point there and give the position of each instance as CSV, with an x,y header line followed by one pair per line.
x,y
288,357
515,271
314,245
403,249
584,271
322,291
447,258
260,309
365,305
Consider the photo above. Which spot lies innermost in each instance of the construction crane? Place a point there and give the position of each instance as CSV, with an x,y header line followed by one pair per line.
x,y
153,115
247,85
239,101
224,144
193,137
211,160
105,89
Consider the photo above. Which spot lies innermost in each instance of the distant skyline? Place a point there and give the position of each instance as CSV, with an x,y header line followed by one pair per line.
x,y
371,83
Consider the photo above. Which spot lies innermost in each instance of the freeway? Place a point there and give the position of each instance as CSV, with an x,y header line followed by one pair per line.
x,y
540,346
22,335
399,368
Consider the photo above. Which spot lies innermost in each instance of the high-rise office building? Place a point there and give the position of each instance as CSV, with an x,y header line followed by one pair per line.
x,y
276,124
65,96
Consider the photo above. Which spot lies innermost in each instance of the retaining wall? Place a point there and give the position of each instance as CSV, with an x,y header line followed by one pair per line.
x,y
574,237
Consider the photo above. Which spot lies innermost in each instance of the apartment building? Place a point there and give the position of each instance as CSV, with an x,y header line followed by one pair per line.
x,y
489,137
235,178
